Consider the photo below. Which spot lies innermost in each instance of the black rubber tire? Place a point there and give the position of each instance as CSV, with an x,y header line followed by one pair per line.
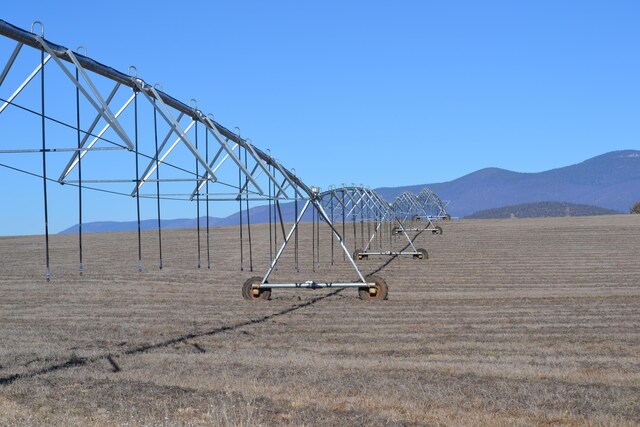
x,y
382,289
422,254
437,230
247,290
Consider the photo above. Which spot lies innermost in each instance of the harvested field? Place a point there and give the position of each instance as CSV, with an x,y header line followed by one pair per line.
x,y
509,322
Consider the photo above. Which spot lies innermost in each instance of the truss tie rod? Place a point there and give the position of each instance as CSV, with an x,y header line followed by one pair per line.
x,y
315,285
133,180
58,150
101,181
203,197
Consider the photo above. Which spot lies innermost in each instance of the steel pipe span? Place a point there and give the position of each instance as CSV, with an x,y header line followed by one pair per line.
x,y
30,39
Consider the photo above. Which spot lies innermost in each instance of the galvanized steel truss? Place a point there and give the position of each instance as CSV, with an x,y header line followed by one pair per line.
x,y
434,207
353,204
410,211
260,177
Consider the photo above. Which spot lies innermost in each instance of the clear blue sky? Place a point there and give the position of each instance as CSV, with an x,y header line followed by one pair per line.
x,y
371,92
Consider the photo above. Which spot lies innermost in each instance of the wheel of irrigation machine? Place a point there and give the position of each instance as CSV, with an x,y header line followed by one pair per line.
x,y
422,254
377,293
395,230
254,294
358,255
437,230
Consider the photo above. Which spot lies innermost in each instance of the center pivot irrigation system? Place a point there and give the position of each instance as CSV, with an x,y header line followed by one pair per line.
x,y
132,139
411,209
360,204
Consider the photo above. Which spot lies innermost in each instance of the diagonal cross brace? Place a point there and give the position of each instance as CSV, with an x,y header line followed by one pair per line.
x,y
204,179
153,164
12,59
105,111
24,84
165,113
224,144
316,205
77,156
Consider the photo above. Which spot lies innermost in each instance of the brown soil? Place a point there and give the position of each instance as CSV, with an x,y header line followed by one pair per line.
x,y
509,322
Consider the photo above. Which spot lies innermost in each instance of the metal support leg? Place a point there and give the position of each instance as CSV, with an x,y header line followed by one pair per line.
x,y
320,209
286,241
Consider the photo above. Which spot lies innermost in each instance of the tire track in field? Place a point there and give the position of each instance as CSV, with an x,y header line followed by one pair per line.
x,y
76,361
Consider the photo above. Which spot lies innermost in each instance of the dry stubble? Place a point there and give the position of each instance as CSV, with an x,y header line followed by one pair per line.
x,y
509,322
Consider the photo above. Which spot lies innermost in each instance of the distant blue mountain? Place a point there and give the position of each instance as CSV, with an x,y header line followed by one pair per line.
x,y
147,224
610,181
258,214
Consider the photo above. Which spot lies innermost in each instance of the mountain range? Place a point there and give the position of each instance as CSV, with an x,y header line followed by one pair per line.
x,y
610,181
